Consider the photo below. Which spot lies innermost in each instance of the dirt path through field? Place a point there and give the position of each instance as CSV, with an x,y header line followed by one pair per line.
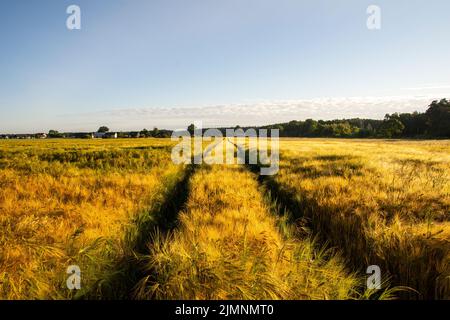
x,y
229,245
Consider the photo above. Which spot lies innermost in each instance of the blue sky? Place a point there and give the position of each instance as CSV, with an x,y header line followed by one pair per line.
x,y
166,63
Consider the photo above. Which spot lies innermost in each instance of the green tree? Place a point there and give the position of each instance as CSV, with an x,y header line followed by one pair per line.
x,y
343,129
392,126
103,129
438,118
191,128
145,133
54,134
310,127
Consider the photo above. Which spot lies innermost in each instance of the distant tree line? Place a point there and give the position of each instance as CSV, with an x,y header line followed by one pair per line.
x,y
434,123
155,133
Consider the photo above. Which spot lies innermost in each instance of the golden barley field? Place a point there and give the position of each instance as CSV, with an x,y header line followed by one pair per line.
x,y
381,202
141,227
67,202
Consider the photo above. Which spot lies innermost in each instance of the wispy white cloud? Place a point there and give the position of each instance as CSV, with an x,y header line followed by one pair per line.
x,y
428,87
256,113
